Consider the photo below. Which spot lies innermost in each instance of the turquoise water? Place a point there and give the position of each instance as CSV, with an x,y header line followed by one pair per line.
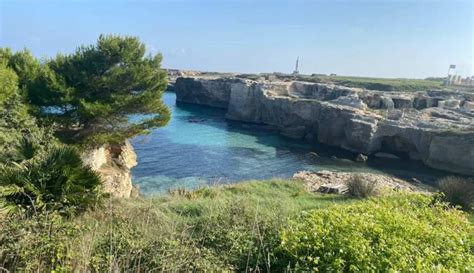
x,y
199,147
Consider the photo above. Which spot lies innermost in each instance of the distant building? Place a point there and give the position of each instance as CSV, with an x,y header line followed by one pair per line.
x,y
333,75
457,80
468,81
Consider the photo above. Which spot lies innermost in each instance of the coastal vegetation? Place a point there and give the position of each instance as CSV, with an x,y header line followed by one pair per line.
x,y
359,187
381,84
458,191
56,180
55,217
87,96
256,226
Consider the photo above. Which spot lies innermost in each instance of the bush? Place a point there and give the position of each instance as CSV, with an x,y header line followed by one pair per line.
x,y
360,187
403,232
38,243
458,191
56,181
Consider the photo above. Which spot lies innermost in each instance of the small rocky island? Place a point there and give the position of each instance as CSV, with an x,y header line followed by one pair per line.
x,y
435,126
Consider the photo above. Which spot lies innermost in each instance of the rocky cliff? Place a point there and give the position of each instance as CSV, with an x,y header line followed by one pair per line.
x,y
210,92
434,126
113,163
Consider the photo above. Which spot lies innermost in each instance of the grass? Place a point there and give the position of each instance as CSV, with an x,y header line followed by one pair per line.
x,y
285,195
382,84
214,229
361,187
222,228
230,227
458,191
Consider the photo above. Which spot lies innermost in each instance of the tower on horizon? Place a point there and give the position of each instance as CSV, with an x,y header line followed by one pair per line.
x,y
296,72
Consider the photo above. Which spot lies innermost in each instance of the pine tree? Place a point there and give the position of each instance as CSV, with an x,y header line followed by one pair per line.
x,y
91,93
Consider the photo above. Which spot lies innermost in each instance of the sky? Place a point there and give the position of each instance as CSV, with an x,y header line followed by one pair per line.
x,y
379,38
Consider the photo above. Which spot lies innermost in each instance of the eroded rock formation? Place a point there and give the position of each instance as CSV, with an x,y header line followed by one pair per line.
x,y
113,163
434,126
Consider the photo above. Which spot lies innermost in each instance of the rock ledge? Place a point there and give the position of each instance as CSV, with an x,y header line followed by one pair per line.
x,y
322,180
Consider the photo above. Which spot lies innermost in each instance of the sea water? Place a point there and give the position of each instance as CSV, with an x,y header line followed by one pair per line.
x,y
200,147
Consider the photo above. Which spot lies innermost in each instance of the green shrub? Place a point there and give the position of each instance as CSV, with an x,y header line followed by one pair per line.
x,y
37,244
403,232
360,187
458,191
56,181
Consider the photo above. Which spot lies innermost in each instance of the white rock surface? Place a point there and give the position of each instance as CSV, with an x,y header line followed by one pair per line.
x,y
113,163
322,180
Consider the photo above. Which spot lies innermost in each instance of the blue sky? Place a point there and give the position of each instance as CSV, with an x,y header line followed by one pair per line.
x,y
413,39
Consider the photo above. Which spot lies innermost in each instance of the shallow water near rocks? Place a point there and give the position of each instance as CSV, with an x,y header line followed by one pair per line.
x,y
199,147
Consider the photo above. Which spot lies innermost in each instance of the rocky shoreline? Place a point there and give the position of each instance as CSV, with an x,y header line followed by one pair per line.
x,y
323,181
434,126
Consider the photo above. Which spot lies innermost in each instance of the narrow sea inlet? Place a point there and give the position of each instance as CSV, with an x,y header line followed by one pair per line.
x,y
200,147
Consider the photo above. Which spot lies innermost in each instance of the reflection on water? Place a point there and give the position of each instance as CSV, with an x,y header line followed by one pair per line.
x,y
200,147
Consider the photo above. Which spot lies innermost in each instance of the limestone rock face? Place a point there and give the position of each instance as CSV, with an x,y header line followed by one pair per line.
x,y
215,93
452,153
113,163
434,126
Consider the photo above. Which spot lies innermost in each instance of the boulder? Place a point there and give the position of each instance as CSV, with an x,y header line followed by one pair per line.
x,y
334,189
361,158
395,115
450,103
468,106
352,101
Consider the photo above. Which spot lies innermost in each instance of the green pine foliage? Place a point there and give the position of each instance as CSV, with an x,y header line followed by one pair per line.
x,y
8,83
24,64
16,124
36,175
90,93
85,98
